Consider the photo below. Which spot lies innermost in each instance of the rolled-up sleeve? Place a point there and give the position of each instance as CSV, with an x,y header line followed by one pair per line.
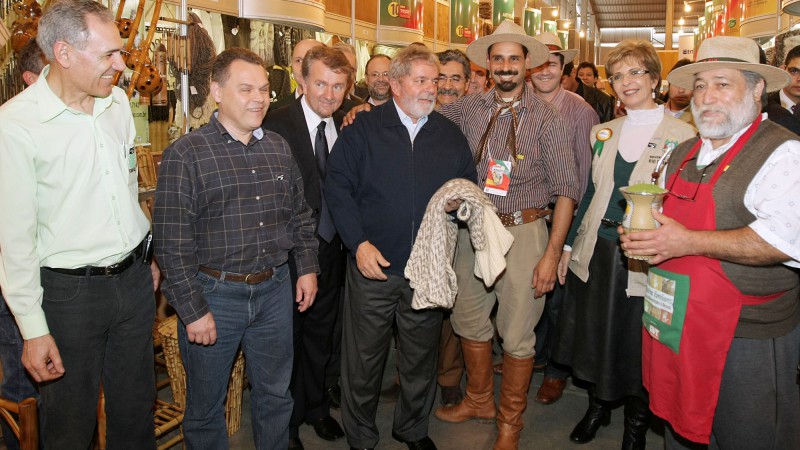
x,y
774,198
559,160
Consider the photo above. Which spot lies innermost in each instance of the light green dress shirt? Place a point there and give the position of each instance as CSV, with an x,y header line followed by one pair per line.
x,y
68,192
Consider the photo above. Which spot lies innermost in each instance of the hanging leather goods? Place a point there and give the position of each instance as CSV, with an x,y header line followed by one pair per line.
x,y
159,98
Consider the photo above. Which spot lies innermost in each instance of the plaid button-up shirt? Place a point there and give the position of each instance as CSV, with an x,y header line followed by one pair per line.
x,y
233,207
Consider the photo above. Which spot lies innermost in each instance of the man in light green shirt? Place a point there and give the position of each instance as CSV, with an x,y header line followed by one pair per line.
x,y
73,265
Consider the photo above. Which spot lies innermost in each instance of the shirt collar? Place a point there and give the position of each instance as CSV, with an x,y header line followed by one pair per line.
x,y
407,120
786,102
488,99
50,105
258,133
312,119
707,153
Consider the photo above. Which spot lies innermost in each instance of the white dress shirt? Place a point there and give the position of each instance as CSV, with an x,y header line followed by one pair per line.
x,y
312,122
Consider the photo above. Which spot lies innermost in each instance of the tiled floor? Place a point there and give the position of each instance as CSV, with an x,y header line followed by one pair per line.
x,y
546,427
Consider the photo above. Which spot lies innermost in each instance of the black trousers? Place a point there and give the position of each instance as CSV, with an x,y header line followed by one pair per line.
x,y
313,333
370,309
103,327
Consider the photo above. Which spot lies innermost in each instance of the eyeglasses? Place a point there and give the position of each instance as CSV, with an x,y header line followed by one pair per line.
x,y
697,185
455,79
632,74
378,74
794,72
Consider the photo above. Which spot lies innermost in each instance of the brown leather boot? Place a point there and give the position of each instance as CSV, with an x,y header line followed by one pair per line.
x,y
513,400
478,402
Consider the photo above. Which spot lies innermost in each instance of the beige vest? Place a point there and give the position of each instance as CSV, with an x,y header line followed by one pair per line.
x,y
667,136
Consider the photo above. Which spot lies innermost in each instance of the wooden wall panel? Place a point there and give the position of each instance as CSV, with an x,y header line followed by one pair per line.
x,y
443,30
428,18
341,7
366,10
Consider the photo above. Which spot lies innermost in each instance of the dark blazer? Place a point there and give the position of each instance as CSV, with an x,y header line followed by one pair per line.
x,y
290,123
282,102
350,102
780,115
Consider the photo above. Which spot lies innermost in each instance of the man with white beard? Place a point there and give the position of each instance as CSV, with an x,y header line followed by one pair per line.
x,y
721,308
381,174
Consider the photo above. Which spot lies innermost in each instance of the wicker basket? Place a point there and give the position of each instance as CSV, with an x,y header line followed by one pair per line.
x,y
177,375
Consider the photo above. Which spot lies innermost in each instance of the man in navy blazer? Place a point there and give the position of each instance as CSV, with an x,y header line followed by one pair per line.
x,y
310,125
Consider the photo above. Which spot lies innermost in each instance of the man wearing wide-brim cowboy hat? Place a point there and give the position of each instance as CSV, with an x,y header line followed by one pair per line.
x,y
524,159
553,44
507,31
546,81
722,368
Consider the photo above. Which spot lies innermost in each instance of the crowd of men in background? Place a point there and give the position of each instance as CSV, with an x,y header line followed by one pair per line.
x,y
283,228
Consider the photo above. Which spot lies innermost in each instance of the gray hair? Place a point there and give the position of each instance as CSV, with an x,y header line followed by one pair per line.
x,y
65,20
752,80
401,63
457,56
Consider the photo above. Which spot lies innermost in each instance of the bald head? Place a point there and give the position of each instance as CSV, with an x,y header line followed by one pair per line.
x,y
298,54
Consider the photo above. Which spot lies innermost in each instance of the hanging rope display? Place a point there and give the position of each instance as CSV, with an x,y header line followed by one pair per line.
x,y
202,55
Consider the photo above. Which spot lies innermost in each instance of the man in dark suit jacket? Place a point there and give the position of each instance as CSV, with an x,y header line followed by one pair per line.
x,y
310,125
781,104
780,115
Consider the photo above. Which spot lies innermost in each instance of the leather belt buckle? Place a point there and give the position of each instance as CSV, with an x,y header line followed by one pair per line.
x,y
250,278
517,216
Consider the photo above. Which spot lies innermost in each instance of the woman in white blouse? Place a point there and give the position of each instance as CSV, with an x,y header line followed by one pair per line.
x,y
599,332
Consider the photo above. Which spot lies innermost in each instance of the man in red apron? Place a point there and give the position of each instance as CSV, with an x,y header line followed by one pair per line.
x,y
721,340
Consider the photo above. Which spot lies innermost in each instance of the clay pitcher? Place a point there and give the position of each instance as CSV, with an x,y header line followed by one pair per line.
x,y
641,198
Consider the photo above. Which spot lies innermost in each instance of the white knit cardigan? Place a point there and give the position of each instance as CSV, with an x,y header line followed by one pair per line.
x,y
429,268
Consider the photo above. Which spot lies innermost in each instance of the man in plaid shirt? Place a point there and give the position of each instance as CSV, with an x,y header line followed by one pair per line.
x,y
230,211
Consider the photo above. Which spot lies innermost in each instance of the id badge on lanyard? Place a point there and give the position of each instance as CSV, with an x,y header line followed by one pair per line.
x,y
498,177
665,303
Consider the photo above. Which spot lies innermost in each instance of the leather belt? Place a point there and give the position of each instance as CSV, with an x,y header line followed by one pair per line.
x,y
249,278
523,216
95,271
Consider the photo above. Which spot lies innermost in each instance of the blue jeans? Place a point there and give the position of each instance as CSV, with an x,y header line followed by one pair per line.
x,y
103,327
17,383
259,317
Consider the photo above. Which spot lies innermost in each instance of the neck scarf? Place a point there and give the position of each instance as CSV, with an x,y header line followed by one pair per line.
x,y
511,140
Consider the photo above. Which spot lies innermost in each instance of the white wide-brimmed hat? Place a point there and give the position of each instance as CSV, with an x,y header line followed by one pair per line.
x,y
508,31
553,43
729,52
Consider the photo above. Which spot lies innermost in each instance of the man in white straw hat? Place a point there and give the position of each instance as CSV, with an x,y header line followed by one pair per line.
x,y
546,81
523,155
720,354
